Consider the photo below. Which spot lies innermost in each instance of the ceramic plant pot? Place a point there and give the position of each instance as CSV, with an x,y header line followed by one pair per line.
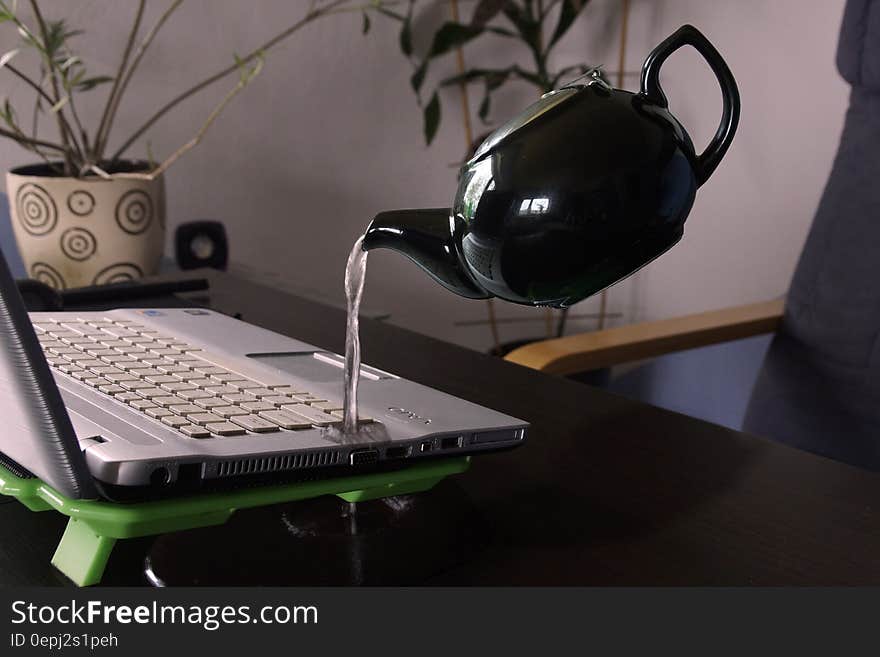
x,y
73,232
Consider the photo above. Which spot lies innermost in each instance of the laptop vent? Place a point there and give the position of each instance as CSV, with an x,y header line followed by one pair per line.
x,y
277,463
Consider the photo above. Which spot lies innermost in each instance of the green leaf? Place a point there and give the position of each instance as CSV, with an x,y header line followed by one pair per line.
x,y
486,10
452,35
366,27
406,33
432,118
418,76
4,59
567,15
90,83
61,103
483,112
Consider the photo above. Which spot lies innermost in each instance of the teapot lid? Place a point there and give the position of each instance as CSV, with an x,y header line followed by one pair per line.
x,y
547,102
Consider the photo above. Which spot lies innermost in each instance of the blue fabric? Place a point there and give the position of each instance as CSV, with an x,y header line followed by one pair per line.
x,y
710,383
7,241
819,388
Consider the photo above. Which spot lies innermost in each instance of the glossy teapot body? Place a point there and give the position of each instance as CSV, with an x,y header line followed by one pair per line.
x,y
579,191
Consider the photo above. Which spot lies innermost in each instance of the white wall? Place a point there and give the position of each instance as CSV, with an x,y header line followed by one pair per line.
x,y
329,134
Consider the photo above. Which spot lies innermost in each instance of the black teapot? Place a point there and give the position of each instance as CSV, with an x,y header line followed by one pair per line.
x,y
582,189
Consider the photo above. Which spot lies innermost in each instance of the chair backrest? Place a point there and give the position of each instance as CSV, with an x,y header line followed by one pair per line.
x,y
7,241
819,388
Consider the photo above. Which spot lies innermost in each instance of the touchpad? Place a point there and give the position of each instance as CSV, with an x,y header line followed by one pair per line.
x,y
319,366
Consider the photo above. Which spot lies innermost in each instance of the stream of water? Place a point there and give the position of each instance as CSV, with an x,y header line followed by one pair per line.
x,y
355,271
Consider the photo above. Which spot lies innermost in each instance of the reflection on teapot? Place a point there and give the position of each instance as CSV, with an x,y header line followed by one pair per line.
x,y
582,189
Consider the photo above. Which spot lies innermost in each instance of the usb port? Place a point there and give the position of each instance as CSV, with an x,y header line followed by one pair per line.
x,y
451,442
426,446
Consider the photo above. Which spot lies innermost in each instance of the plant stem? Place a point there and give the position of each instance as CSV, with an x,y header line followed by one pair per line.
x,y
67,140
192,143
104,125
331,8
142,48
21,139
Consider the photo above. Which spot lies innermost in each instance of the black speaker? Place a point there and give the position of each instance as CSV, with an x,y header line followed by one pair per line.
x,y
201,244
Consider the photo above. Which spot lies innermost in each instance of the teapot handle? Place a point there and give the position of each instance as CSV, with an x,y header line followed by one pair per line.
x,y
650,84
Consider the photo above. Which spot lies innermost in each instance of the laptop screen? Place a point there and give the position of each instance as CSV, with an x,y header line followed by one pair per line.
x,y
36,432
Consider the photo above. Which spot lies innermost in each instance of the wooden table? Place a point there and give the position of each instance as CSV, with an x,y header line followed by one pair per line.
x,y
607,491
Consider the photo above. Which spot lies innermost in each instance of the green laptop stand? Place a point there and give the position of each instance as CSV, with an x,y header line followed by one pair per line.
x,y
93,527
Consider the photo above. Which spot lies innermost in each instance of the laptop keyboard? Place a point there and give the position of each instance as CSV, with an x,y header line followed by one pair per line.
x,y
167,380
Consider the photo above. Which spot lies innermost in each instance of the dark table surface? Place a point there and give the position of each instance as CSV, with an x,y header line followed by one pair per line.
x,y
606,491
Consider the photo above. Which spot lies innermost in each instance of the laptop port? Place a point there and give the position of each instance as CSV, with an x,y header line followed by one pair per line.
x,y
397,452
426,446
451,442
363,457
160,477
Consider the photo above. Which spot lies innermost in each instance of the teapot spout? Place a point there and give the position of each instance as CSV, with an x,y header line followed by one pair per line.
x,y
426,238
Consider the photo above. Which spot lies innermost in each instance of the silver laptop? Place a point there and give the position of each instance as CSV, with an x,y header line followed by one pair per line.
x,y
128,404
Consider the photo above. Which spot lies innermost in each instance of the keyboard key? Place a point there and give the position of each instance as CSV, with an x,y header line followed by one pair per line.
x,y
210,402
142,404
174,421
118,359
161,378
177,386
309,399
203,418
119,332
254,423
286,420
316,417
172,369
230,378
194,394
259,392
137,384
225,429
113,344
70,369
185,358
327,406
229,411
111,389
128,397
278,400
210,369
144,372
162,351
158,412
257,406
288,390
150,393
239,398
222,390
185,409
194,431
169,400
105,369
119,378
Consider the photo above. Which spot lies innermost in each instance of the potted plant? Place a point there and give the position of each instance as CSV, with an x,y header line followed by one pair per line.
x,y
85,213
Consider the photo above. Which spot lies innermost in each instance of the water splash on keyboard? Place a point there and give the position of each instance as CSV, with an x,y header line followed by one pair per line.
x,y
355,271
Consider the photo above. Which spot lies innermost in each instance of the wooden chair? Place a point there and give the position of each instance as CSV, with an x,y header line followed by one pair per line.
x,y
588,351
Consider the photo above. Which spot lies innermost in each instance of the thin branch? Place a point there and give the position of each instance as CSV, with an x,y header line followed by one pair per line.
x,y
21,139
331,8
192,143
103,126
24,78
142,48
63,128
